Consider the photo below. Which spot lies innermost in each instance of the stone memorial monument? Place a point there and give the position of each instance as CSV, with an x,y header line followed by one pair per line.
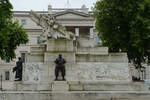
x,y
87,68
91,73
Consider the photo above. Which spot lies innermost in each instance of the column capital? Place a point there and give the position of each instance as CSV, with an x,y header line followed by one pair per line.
x,y
77,32
91,32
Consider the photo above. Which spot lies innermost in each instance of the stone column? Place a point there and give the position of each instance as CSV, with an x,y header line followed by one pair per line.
x,y
77,32
49,9
91,33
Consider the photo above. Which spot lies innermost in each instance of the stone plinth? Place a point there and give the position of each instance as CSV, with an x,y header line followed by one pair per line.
x,y
86,42
75,86
51,56
102,56
11,86
60,45
60,86
107,86
114,86
92,51
24,86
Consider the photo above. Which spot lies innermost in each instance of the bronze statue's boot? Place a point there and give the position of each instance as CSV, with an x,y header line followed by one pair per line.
x,y
56,79
64,79
18,80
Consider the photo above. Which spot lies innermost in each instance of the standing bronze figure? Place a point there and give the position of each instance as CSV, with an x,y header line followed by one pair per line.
x,y
60,67
18,70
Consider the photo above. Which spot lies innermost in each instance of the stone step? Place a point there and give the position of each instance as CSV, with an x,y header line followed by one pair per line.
x,y
76,95
107,86
60,86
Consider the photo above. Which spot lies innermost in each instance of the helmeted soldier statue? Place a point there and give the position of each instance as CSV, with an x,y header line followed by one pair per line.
x,y
60,67
18,70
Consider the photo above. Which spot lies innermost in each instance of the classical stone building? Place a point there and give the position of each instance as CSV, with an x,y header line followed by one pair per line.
x,y
79,21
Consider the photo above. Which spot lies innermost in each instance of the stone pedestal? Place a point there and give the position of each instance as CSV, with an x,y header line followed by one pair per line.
x,y
60,45
60,86
87,69
22,86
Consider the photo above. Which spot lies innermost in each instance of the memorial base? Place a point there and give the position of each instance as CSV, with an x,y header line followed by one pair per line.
x,y
76,95
60,86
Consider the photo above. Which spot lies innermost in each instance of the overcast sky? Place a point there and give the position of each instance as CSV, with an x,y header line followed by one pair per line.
x,y
41,5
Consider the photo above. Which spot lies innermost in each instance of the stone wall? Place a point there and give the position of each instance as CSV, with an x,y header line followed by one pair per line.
x,y
102,57
86,95
103,71
83,64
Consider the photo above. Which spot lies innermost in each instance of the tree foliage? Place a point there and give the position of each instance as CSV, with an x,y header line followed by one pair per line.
x,y
124,25
11,33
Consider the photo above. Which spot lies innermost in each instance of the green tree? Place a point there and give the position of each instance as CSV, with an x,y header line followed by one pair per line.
x,y
11,33
124,25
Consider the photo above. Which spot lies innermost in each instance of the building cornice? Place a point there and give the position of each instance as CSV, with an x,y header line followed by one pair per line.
x,y
71,11
56,12
88,19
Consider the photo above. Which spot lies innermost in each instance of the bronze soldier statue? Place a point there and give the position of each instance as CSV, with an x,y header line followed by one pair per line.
x,y
60,67
18,70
